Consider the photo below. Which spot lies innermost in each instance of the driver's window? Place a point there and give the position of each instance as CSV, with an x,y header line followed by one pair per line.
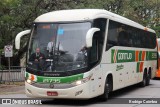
x,y
98,41
94,51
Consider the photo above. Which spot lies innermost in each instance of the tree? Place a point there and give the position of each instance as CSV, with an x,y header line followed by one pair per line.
x,y
18,15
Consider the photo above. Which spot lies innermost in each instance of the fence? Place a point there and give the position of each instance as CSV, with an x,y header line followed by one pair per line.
x,y
16,74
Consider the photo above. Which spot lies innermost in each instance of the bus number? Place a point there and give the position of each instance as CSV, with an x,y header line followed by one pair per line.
x,y
52,80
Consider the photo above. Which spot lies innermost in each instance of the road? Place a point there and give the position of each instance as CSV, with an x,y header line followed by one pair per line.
x,y
126,94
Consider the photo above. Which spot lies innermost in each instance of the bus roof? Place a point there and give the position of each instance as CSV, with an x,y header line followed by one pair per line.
x,y
86,14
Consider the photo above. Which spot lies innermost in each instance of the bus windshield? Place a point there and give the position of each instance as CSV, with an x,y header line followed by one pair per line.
x,y
58,47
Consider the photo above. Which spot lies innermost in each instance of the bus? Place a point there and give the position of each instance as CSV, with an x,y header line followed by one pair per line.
x,y
93,53
158,65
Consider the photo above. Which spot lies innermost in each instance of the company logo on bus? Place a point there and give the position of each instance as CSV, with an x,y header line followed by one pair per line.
x,y
120,56
51,85
124,56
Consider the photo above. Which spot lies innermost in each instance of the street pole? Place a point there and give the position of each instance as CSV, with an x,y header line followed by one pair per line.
x,y
9,64
8,49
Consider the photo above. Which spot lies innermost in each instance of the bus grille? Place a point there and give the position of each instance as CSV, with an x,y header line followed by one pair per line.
x,y
52,86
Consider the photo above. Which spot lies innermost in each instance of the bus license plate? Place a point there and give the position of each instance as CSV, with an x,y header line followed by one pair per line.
x,y
52,93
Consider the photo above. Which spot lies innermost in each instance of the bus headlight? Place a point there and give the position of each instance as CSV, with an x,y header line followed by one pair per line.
x,y
84,80
79,82
28,81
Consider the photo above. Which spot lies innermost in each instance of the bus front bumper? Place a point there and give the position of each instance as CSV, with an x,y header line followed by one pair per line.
x,y
79,92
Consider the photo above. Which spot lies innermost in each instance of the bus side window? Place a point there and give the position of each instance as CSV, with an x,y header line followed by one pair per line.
x,y
124,35
94,51
112,35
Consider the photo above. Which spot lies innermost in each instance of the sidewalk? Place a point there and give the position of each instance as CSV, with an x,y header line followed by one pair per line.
x,y
6,89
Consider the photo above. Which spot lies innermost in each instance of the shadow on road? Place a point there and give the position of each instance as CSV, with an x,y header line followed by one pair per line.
x,y
69,102
156,78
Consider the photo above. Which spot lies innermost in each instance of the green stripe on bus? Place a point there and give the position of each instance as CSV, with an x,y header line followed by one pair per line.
x,y
26,75
138,67
119,56
123,56
68,79
151,55
112,58
140,55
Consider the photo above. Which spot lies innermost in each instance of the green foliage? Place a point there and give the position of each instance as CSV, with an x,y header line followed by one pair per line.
x,y
18,15
2,67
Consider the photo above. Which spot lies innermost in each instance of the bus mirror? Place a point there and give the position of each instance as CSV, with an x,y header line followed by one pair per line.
x,y
89,36
18,38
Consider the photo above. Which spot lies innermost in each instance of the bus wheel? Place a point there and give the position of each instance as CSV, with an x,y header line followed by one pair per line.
x,y
148,78
144,81
105,95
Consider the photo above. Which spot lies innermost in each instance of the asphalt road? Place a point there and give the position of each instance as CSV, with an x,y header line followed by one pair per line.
x,y
124,95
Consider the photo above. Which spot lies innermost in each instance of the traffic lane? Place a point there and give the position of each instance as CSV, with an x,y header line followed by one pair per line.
x,y
71,103
13,96
64,103
135,91
151,91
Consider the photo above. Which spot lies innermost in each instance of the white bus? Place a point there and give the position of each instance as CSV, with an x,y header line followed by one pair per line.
x,y
85,53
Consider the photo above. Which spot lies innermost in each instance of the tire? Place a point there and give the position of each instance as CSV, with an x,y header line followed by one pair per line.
x,y
144,81
148,79
105,95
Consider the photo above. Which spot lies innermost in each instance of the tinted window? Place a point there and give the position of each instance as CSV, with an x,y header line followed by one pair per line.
x,y
124,35
98,41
